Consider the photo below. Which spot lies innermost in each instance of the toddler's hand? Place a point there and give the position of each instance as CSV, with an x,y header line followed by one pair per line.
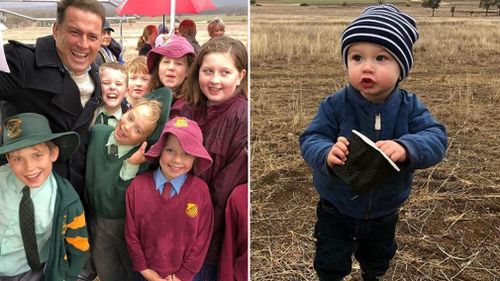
x,y
394,150
338,153
138,157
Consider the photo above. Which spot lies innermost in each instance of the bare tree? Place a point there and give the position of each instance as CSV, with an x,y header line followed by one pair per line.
x,y
487,4
433,4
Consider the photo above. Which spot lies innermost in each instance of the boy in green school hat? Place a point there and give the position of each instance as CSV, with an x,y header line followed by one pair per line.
x,y
42,219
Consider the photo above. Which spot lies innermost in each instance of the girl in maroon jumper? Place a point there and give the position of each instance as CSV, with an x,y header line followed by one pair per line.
x,y
169,212
215,92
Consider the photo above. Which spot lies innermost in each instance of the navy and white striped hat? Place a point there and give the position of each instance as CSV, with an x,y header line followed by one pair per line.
x,y
384,25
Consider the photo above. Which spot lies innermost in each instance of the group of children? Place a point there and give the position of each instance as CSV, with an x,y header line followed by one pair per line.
x,y
156,181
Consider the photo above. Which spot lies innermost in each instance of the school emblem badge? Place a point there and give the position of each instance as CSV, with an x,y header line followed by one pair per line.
x,y
181,122
192,210
13,127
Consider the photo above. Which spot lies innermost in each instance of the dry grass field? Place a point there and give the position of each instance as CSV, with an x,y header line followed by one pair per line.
x,y
450,227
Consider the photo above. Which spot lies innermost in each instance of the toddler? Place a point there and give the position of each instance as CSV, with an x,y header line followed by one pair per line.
x,y
377,52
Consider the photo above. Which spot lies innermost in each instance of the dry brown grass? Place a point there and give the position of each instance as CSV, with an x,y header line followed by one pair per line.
x,y
450,227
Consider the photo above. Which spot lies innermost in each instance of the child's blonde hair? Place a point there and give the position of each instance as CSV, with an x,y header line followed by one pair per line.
x,y
225,45
138,65
154,105
116,66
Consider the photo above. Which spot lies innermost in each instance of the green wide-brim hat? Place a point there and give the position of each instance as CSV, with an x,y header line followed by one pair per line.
x,y
163,95
28,129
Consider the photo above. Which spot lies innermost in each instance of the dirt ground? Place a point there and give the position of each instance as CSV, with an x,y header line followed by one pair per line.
x,y
449,229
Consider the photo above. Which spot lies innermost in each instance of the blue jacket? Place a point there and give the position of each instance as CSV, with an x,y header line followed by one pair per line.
x,y
405,119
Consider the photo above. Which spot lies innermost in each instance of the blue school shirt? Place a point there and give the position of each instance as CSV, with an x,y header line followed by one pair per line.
x,y
12,255
160,182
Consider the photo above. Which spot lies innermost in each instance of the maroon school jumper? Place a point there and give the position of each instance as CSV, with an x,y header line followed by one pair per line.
x,y
234,257
169,236
225,131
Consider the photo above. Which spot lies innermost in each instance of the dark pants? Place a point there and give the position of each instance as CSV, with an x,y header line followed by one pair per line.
x,y
339,236
208,272
138,276
110,250
88,272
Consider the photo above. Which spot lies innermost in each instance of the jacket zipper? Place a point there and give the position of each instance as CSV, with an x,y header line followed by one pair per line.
x,y
378,127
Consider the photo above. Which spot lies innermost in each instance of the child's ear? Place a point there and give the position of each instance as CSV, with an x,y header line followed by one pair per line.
x,y
54,153
241,76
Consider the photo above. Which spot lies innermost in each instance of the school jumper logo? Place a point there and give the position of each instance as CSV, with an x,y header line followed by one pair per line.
x,y
13,127
181,122
192,210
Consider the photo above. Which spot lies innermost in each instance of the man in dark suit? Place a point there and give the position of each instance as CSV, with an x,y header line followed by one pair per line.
x,y
56,78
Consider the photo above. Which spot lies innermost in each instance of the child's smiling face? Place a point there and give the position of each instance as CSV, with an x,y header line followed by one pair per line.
x,y
372,70
135,126
173,160
33,165
219,77
114,88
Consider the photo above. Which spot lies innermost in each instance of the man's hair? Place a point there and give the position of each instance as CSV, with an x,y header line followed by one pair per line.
x,y
92,6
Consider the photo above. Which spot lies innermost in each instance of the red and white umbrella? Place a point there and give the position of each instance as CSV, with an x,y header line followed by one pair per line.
x,y
154,8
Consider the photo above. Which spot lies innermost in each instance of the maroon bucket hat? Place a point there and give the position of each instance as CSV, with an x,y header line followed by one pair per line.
x,y
176,47
190,138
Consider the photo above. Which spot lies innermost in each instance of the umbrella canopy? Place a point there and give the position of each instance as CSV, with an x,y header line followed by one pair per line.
x,y
155,8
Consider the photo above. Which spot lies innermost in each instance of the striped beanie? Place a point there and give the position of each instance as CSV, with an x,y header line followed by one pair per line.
x,y
386,26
